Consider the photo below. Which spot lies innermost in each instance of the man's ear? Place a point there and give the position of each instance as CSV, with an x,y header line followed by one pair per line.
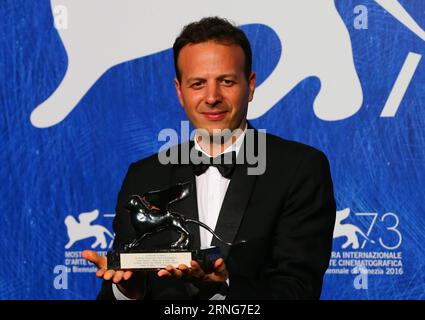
x,y
177,84
252,81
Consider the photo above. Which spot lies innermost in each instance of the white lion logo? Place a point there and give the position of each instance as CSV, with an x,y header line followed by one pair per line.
x,y
315,42
83,230
347,230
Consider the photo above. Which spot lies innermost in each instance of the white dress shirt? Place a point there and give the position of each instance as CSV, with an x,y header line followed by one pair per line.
x,y
211,187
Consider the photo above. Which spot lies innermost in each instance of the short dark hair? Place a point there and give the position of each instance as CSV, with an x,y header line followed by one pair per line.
x,y
213,29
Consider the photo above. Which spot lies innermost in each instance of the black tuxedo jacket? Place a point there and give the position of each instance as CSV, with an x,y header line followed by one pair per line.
x,y
286,216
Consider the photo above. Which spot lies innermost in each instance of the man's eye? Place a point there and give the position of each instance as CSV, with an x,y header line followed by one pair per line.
x,y
196,85
227,82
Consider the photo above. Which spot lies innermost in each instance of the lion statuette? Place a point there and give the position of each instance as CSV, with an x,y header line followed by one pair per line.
x,y
150,213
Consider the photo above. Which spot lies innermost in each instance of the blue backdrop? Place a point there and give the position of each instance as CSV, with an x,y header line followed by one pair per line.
x,y
52,175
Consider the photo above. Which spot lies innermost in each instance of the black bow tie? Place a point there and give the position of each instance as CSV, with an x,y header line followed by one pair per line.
x,y
225,163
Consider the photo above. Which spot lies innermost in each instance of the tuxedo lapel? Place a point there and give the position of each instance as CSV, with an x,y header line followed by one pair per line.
x,y
235,202
233,208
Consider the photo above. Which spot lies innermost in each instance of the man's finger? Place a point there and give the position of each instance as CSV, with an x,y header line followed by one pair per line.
x,y
127,275
220,271
118,276
166,272
183,267
163,273
195,265
219,266
185,270
174,272
196,269
100,273
109,274
171,271
218,263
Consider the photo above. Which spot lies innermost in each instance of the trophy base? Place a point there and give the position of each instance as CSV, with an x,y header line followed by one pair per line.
x,y
159,259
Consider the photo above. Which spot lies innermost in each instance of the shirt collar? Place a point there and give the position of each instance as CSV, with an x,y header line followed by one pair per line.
x,y
236,146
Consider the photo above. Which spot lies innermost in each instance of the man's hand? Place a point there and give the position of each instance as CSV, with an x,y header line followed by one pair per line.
x,y
103,272
219,274
129,289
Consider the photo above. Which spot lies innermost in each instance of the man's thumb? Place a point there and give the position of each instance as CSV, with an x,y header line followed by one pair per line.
x,y
93,257
220,268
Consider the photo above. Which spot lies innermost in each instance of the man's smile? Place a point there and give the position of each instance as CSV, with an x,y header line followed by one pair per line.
x,y
215,115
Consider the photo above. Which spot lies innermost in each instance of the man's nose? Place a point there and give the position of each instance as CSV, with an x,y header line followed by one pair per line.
x,y
213,94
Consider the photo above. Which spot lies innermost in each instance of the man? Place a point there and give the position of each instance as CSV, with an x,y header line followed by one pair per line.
x,y
285,214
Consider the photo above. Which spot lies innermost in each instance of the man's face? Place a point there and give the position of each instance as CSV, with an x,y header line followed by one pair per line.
x,y
214,90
